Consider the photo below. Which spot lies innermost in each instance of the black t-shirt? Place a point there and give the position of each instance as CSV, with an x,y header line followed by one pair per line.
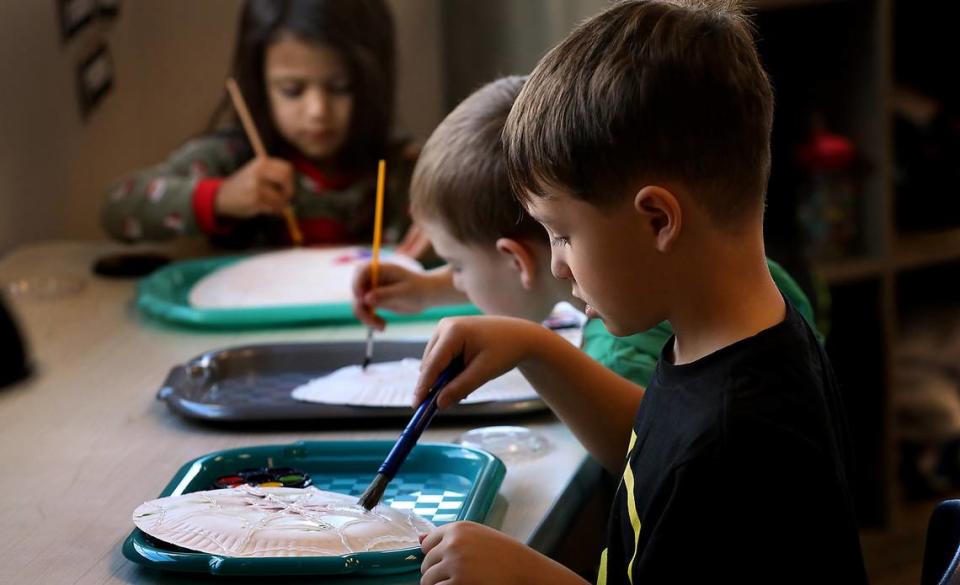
x,y
737,471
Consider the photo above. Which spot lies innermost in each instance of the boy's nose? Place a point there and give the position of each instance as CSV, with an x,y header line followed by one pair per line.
x,y
558,265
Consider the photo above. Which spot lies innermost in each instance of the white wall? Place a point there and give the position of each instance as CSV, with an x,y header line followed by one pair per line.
x,y
171,57
487,39
419,66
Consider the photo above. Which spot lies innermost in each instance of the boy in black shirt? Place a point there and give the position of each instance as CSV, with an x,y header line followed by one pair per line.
x,y
642,144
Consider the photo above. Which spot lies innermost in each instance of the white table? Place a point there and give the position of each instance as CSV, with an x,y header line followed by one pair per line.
x,y
84,440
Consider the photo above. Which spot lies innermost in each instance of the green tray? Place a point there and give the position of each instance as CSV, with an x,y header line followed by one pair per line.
x,y
165,295
440,482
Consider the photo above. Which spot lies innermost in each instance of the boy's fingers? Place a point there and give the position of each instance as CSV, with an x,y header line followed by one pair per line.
x,y
391,273
361,280
430,540
429,347
363,313
437,574
389,297
367,316
456,389
429,366
462,386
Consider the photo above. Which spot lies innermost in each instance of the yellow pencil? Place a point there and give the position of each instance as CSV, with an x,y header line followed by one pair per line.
x,y
254,137
375,255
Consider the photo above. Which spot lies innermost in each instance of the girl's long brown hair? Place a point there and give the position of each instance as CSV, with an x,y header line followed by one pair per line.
x,y
360,30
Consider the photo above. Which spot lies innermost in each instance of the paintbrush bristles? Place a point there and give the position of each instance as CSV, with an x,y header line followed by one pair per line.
x,y
295,234
374,493
369,355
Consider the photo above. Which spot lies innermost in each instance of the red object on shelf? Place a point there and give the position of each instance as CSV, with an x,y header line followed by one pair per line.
x,y
826,152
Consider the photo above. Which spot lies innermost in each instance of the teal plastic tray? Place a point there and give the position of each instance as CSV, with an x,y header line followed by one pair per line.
x,y
440,482
165,295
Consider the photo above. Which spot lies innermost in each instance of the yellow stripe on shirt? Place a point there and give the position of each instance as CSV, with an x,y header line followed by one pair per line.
x,y
627,481
631,505
602,573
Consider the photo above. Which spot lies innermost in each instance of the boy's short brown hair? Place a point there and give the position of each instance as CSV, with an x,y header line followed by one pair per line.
x,y
648,91
461,176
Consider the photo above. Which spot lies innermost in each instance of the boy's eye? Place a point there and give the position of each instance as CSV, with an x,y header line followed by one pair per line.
x,y
559,241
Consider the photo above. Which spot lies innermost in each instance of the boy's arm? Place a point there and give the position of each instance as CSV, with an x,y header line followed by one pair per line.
x,y
473,553
402,291
598,405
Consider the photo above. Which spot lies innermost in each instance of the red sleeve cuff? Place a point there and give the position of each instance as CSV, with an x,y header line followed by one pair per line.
x,y
204,209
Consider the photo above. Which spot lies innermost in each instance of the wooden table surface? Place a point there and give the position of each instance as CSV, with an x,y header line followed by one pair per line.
x,y
84,441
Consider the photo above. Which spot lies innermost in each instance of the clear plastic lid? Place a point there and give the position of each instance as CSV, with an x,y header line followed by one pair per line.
x,y
510,444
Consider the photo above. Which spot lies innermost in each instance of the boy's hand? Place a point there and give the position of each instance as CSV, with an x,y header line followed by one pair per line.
x,y
465,552
262,186
415,242
491,346
398,289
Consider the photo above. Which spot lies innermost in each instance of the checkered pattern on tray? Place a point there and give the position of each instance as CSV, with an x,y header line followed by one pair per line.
x,y
436,497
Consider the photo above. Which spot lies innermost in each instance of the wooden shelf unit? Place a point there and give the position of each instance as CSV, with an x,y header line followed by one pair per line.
x,y
856,96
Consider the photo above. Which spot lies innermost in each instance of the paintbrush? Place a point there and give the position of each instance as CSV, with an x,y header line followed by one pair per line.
x,y
375,256
410,435
296,236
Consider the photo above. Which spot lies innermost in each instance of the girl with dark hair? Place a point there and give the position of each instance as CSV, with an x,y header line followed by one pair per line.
x,y
318,77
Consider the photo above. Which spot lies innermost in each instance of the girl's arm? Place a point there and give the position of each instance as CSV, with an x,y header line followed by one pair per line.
x,y
176,197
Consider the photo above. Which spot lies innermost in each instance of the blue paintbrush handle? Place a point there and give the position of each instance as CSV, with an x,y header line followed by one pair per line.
x,y
421,419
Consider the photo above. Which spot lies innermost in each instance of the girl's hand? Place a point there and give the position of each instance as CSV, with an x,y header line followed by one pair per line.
x,y
262,186
465,552
491,346
398,289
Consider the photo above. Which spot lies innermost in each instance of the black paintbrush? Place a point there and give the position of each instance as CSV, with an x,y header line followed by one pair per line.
x,y
408,438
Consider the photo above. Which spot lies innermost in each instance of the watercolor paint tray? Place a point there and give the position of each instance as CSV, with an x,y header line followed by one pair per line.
x,y
253,384
440,482
165,295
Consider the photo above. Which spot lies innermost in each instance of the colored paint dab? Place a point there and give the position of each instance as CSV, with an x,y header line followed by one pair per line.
x,y
265,477
354,256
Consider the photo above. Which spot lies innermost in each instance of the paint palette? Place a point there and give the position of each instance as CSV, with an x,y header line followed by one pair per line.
x,y
440,482
265,477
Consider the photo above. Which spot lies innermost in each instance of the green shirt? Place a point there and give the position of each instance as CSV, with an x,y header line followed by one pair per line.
x,y
635,356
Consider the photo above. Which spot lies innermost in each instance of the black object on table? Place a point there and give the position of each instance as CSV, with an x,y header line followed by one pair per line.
x,y
13,363
129,265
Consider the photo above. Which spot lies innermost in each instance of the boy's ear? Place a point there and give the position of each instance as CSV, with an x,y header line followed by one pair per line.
x,y
522,259
661,214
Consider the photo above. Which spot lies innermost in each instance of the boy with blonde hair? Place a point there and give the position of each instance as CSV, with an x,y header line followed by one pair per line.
x,y
497,256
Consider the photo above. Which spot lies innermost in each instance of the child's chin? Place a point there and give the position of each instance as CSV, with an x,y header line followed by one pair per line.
x,y
619,329
613,328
